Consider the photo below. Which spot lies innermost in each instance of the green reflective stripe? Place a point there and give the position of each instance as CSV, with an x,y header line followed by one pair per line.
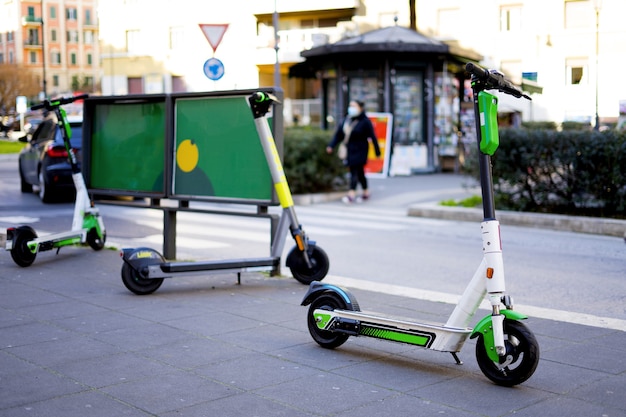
x,y
66,242
396,336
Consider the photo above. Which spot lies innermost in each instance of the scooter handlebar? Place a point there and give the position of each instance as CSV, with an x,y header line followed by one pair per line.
x,y
494,80
51,104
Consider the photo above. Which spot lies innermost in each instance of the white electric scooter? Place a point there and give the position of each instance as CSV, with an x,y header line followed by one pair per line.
x,y
506,351
87,224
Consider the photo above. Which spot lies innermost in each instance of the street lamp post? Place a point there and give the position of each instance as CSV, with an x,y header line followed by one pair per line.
x,y
43,52
276,47
597,5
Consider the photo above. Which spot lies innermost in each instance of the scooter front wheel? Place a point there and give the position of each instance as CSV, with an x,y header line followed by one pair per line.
x,y
94,241
519,362
300,270
137,284
326,338
20,252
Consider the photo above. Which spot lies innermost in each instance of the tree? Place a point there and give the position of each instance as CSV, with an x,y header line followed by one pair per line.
x,y
15,80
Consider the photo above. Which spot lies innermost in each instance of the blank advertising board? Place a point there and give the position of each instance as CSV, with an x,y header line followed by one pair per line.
x,y
126,147
217,151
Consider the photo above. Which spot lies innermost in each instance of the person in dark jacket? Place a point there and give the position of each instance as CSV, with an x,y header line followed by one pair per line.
x,y
355,133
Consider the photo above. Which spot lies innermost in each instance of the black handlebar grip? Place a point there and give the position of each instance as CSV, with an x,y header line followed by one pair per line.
x,y
495,80
476,71
49,105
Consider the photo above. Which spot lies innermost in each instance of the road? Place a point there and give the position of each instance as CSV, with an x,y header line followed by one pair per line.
x,y
376,246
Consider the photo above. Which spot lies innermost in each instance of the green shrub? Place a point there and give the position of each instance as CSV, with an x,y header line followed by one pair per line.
x,y
308,168
572,172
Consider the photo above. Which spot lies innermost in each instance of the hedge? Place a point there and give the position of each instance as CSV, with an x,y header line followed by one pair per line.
x,y
308,168
569,172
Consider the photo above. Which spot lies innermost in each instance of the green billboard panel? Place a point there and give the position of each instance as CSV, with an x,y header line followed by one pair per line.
x,y
127,146
217,151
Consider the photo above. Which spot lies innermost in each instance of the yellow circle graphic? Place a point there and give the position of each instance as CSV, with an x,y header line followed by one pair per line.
x,y
187,155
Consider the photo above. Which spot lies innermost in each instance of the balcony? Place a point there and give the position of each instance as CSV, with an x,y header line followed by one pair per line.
x,y
31,21
32,43
292,42
266,7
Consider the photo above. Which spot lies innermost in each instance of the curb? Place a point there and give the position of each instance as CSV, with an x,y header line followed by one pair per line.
x,y
577,224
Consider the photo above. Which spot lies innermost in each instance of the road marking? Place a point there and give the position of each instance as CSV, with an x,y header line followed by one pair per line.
x,y
19,219
441,297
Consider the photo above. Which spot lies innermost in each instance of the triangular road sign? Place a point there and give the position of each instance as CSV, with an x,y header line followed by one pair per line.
x,y
213,33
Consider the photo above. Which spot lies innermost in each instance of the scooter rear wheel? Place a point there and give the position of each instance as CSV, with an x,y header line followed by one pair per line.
x,y
326,338
299,269
20,253
137,284
522,355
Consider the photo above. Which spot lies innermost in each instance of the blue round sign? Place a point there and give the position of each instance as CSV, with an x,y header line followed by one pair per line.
x,y
213,69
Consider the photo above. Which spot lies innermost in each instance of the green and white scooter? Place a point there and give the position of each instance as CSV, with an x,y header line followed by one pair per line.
x,y
506,350
87,224
144,269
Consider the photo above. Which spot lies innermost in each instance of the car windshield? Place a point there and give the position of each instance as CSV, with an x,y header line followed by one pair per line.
x,y
77,135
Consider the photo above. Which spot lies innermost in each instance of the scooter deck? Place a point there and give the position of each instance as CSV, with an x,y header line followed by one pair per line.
x,y
429,335
230,264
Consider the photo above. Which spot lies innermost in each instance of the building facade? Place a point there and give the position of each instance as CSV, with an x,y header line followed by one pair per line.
x,y
568,47
57,39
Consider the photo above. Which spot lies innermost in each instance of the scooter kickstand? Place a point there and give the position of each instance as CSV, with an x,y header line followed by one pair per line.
x,y
456,358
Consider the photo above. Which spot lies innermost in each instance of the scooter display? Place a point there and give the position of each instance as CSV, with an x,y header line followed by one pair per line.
x,y
87,224
144,269
506,350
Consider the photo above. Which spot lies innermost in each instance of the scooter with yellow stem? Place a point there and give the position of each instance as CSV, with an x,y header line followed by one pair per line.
x,y
144,269
506,350
87,224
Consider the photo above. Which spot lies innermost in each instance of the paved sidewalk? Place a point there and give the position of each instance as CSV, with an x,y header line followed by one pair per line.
x,y
75,342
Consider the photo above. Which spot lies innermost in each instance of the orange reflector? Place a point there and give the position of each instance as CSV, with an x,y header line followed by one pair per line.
x,y
489,273
299,242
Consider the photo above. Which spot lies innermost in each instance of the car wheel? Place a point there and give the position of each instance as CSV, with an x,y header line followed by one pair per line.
x,y
24,186
45,189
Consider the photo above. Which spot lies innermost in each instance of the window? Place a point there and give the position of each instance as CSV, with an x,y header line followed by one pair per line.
x,y
55,58
177,37
88,17
1,58
579,14
88,35
510,18
71,13
88,81
577,71
450,22
55,80
33,37
72,36
89,59
33,57
132,40
53,35
53,12
31,12
73,58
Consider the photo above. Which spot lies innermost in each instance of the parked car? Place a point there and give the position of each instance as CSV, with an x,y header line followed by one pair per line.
x,y
43,161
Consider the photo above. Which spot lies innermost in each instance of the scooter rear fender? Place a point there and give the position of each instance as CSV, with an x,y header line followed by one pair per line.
x,y
316,288
140,258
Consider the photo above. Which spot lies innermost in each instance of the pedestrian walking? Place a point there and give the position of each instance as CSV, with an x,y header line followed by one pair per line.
x,y
353,137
